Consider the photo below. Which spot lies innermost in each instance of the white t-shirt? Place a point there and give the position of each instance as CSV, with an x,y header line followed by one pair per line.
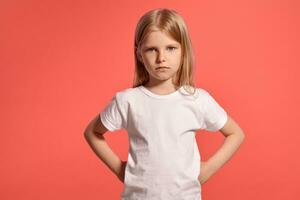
x,y
163,159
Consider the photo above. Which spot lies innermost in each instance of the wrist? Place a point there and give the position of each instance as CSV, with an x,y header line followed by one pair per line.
x,y
211,167
118,168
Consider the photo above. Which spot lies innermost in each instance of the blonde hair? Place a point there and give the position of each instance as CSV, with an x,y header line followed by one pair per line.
x,y
171,23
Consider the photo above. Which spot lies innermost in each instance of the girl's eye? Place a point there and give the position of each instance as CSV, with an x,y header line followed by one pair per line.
x,y
150,49
172,48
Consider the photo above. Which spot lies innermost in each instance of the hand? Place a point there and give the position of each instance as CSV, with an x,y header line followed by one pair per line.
x,y
121,174
204,172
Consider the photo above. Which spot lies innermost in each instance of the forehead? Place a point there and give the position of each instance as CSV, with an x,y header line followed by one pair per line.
x,y
159,38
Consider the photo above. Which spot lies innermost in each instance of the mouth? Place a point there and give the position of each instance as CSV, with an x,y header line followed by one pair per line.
x,y
163,67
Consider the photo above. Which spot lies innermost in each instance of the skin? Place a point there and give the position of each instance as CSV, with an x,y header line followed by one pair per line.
x,y
160,49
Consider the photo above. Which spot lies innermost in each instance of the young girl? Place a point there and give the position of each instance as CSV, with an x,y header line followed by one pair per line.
x,y
161,113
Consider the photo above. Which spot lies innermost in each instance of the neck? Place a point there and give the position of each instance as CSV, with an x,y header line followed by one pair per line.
x,y
161,87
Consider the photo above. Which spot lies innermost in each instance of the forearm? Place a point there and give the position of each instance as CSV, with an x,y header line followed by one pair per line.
x,y
104,152
225,152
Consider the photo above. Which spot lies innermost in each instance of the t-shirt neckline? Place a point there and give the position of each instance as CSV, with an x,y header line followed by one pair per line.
x,y
159,96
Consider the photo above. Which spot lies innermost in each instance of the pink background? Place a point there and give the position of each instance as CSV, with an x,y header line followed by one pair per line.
x,y
62,61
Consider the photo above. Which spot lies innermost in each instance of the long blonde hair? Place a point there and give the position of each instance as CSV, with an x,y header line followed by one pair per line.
x,y
171,23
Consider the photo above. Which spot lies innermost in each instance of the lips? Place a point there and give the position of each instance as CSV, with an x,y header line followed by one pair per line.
x,y
162,67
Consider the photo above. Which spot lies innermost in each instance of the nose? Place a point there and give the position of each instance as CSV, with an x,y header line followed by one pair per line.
x,y
161,57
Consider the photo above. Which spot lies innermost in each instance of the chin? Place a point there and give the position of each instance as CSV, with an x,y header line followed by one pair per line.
x,y
163,78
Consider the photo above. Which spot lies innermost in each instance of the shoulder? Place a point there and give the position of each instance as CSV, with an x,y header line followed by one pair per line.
x,y
202,92
202,95
198,92
124,95
208,100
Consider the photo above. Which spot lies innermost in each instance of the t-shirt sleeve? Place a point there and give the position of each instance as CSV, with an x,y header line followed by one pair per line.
x,y
214,115
111,116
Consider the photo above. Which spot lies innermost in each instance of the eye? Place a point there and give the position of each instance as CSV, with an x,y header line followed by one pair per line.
x,y
172,48
150,49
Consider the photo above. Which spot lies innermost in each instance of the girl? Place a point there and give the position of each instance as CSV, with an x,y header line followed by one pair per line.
x,y
161,113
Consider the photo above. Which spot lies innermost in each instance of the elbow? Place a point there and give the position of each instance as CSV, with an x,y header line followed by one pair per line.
x,y
87,134
242,136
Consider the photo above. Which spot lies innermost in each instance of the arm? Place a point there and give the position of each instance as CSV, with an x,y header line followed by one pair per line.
x,y
234,137
94,136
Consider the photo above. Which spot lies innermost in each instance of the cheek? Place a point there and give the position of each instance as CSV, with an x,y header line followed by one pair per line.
x,y
148,63
149,58
177,58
